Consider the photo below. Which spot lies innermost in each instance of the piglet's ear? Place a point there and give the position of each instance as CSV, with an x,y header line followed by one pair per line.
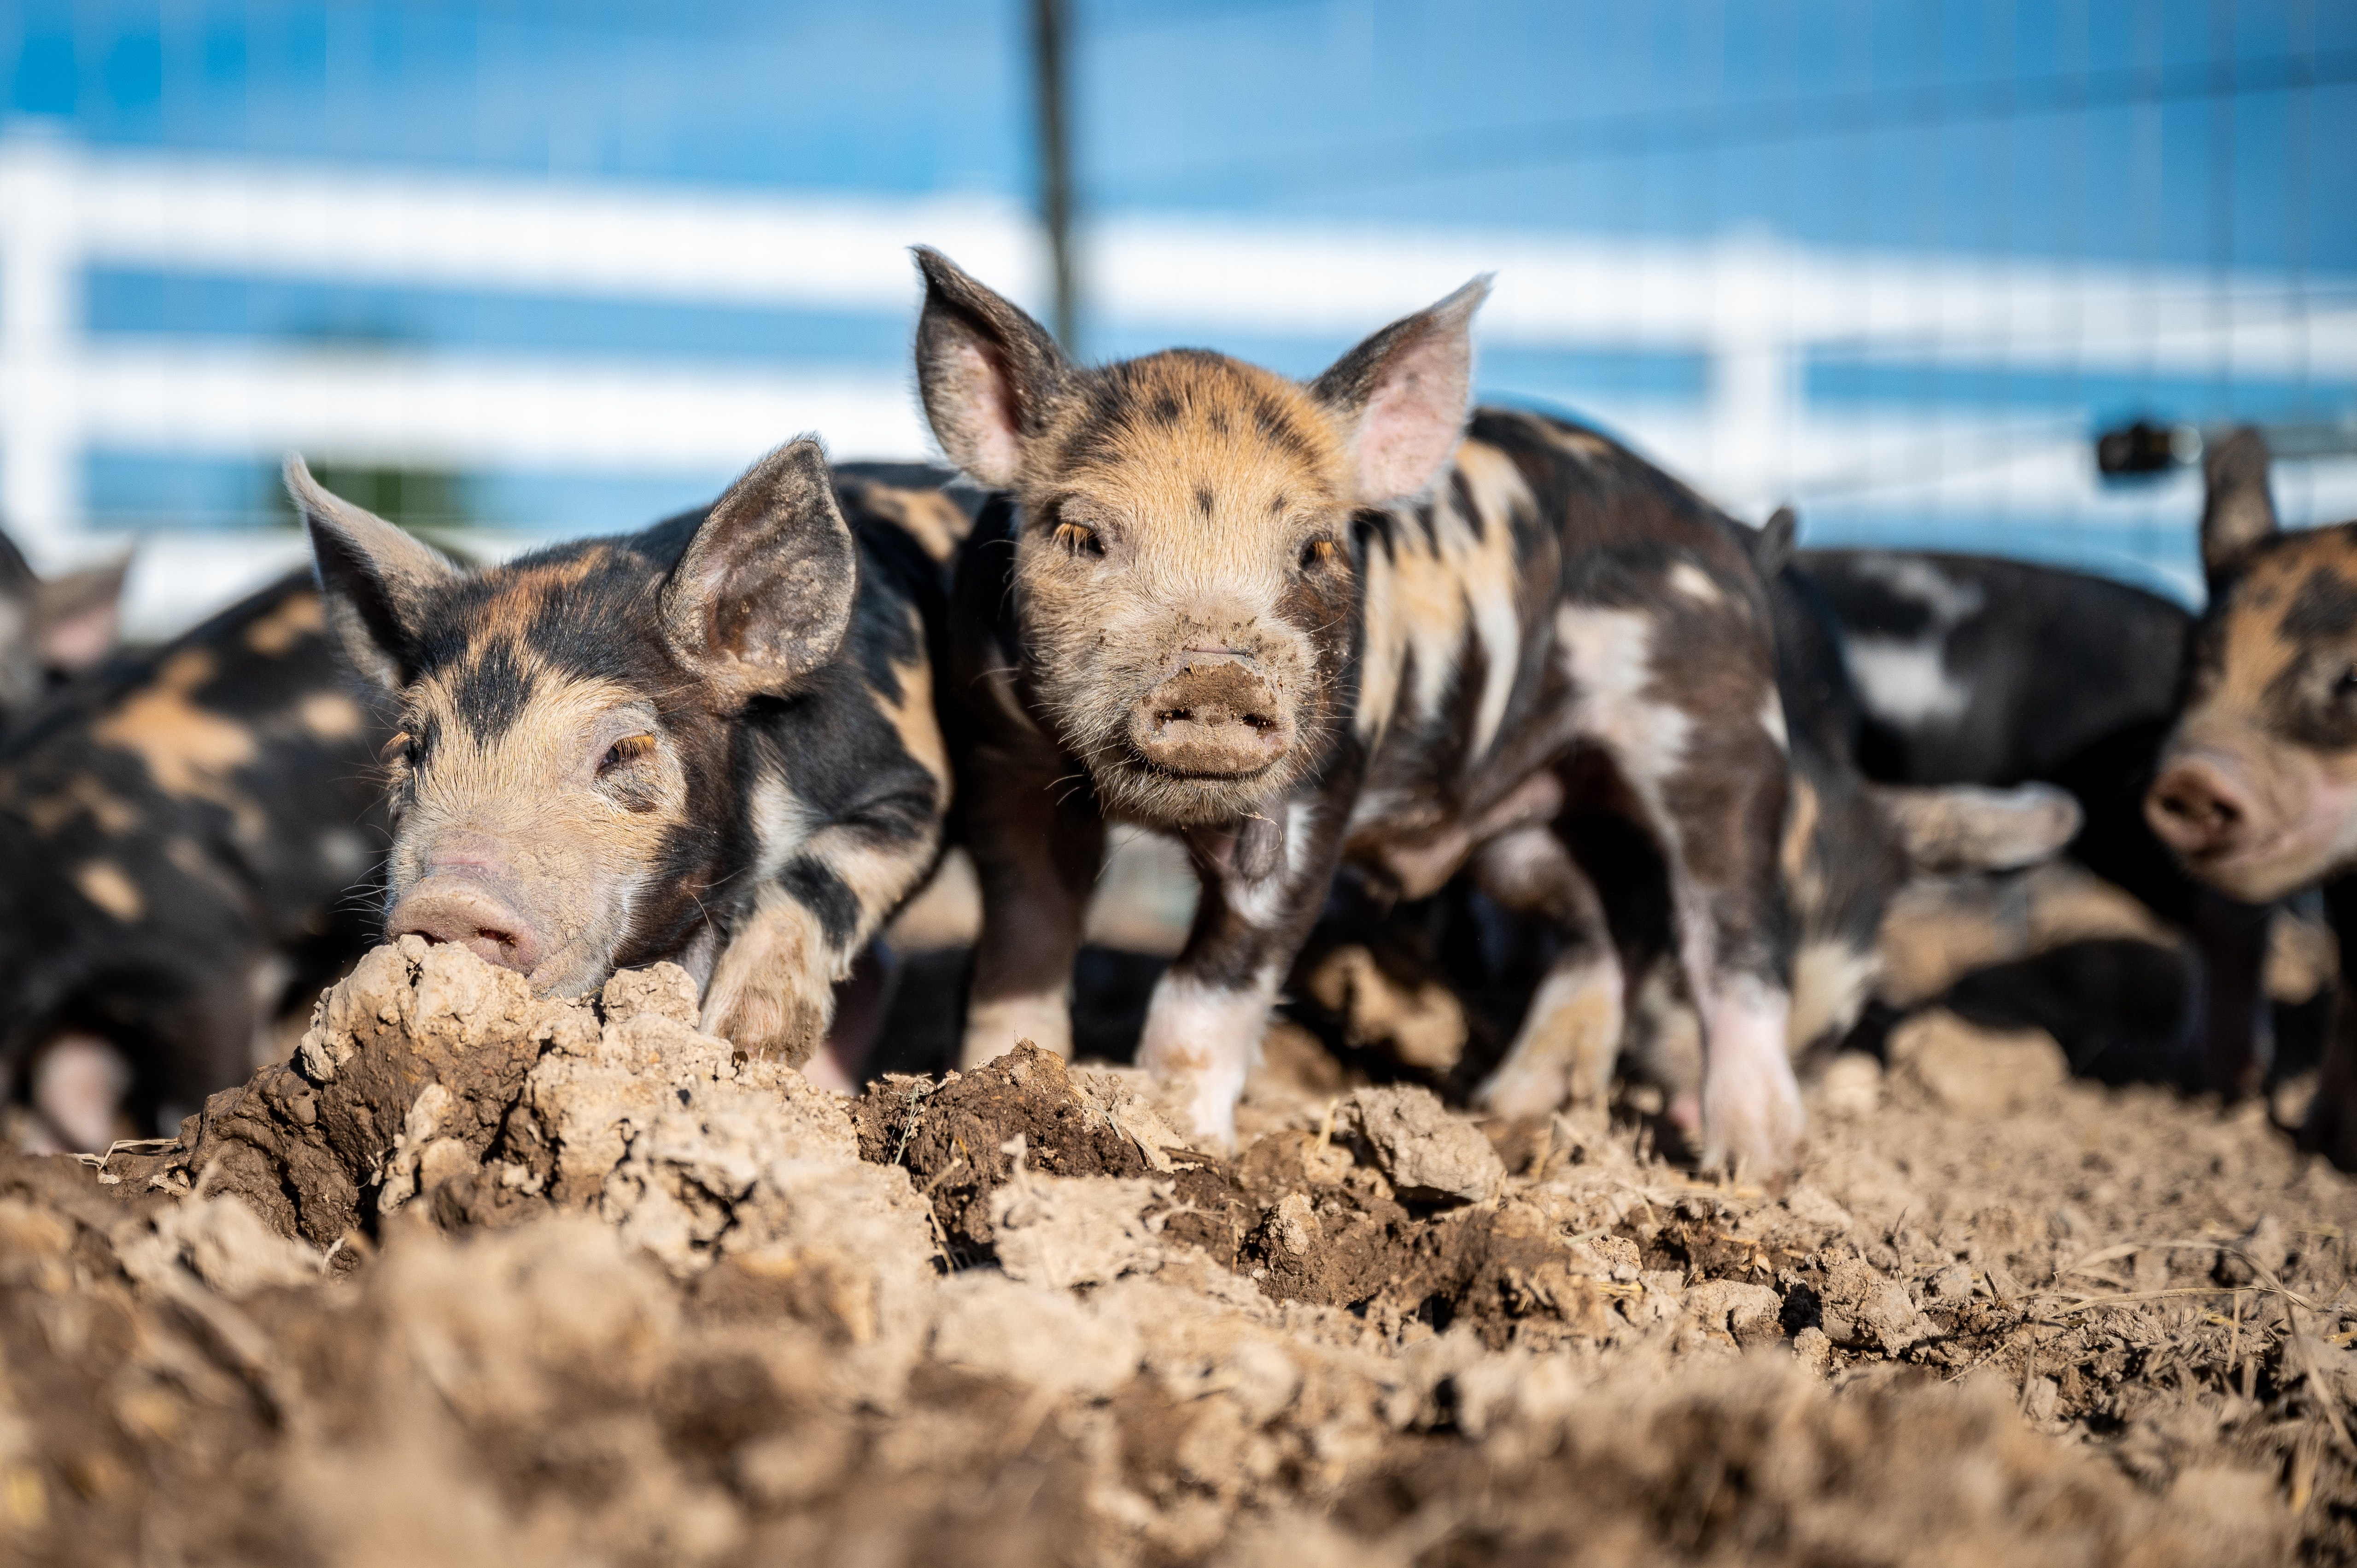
x,y
375,577
1771,547
1400,396
763,596
77,615
989,374
2236,510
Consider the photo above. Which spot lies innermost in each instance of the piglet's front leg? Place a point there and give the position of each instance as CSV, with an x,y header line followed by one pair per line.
x,y
1263,882
1037,851
772,989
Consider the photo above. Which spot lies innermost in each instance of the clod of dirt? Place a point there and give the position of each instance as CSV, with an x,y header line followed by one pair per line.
x,y
404,1077
1964,1068
1861,1308
430,1074
1079,1230
221,1241
987,1324
1429,1155
957,1138
1850,1085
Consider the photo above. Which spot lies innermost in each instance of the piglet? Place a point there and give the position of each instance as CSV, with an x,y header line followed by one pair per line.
x,y
712,742
1297,623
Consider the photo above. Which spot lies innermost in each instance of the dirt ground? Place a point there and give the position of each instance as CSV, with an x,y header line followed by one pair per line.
x,y
478,1278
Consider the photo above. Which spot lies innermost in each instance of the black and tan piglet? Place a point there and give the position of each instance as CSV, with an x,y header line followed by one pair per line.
x,y
183,833
1300,623
2256,791
711,742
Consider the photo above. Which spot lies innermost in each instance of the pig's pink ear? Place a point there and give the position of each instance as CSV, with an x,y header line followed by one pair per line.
x,y
2236,509
990,375
763,596
1399,397
76,616
373,576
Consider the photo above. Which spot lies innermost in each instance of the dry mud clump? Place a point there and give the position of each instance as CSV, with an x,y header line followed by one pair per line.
x,y
480,1278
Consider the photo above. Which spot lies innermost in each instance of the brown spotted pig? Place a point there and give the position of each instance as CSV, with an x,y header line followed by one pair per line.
x,y
183,831
712,742
1848,847
2257,786
1296,623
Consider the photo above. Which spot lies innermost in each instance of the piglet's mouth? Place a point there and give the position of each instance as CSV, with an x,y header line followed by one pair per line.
x,y
2264,870
1182,775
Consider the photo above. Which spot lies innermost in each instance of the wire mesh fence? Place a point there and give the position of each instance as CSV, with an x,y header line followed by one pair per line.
x,y
524,271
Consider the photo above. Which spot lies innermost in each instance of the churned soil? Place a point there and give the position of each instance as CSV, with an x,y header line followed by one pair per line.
x,y
478,1277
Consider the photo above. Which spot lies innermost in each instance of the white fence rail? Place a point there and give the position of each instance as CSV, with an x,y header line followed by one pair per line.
x,y
1754,308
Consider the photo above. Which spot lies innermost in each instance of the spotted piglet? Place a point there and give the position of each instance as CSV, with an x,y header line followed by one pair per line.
x,y
1300,623
182,831
2257,786
1850,845
711,742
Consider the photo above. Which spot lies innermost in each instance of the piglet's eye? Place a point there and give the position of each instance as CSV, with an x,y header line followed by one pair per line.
x,y
2346,684
1317,553
625,751
1079,539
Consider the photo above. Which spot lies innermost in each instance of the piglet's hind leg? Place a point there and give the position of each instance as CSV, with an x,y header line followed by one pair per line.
x,y
1752,1113
1570,1035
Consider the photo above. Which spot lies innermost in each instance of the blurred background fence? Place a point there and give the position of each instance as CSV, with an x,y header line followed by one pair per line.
x,y
518,271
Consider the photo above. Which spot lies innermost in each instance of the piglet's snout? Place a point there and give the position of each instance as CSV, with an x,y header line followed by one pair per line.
x,y
2198,809
463,909
1214,717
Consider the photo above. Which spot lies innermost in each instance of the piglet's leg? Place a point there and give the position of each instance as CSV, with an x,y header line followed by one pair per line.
x,y
1262,890
2330,1129
773,988
1571,1034
773,991
1734,938
1733,943
1683,702
2233,1030
861,1003
77,1084
1037,860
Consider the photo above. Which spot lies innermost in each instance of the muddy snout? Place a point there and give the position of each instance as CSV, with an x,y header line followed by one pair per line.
x,y
455,907
1213,717
2199,810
